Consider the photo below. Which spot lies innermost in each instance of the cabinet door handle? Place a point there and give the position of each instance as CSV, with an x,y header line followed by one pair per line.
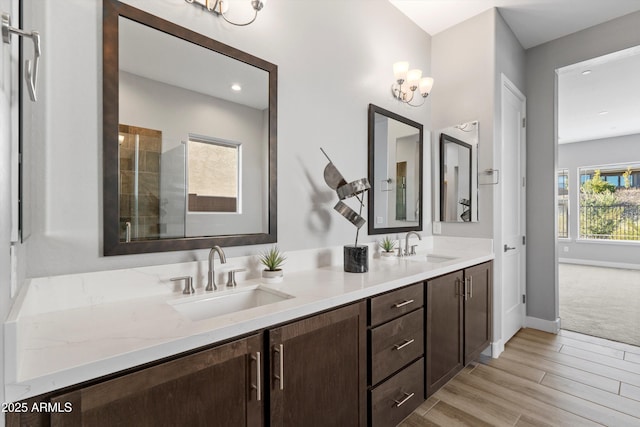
x,y
258,386
280,350
466,289
403,345
406,398
470,286
402,304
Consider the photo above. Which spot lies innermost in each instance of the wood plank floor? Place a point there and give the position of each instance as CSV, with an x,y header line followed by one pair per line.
x,y
542,379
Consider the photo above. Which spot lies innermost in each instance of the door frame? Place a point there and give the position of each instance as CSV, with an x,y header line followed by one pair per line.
x,y
497,345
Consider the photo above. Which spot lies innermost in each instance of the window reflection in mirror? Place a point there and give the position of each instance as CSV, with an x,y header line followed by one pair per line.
x,y
459,173
213,176
395,172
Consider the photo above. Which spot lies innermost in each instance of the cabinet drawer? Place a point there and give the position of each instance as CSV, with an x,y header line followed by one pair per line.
x,y
396,303
395,344
393,400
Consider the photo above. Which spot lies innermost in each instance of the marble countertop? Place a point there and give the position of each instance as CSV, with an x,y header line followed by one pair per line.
x,y
49,349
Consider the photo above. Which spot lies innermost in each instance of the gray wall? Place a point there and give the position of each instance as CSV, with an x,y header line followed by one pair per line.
x,y
621,149
332,64
541,63
463,69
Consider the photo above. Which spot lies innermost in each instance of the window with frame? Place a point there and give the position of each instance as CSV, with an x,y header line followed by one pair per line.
x,y
610,202
213,174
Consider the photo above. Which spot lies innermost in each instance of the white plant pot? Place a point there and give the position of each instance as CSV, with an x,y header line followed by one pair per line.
x,y
274,276
387,255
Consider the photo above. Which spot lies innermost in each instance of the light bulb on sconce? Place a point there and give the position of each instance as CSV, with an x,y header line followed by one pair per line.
x,y
220,8
408,82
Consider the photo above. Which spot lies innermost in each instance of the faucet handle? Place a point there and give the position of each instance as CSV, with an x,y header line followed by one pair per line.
x,y
413,249
231,278
188,284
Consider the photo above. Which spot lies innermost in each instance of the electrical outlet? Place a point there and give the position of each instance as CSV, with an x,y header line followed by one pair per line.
x,y
437,227
379,220
565,248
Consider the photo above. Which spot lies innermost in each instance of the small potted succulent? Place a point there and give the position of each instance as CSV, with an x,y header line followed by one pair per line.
x,y
387,245
272,259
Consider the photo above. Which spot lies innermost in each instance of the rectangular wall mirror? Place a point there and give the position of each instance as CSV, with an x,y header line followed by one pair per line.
x,y
459,173
395,172
189,138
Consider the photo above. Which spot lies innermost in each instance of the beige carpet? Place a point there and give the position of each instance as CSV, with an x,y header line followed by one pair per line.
x,y
598,301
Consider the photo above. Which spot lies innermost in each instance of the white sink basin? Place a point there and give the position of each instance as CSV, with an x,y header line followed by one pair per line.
x,y
228,301
431,258
439,258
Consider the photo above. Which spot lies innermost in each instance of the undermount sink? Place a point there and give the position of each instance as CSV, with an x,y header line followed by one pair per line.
x,y
227,301
431,258
439,258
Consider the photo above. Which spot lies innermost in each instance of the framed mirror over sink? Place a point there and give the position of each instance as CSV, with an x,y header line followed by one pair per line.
x,y
395,172
189,138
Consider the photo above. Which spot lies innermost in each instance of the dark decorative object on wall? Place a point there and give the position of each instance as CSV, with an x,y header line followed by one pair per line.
x,y
356,257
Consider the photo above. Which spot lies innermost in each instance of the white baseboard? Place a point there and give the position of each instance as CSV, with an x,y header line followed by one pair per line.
x,y
593,263
497,347
551,326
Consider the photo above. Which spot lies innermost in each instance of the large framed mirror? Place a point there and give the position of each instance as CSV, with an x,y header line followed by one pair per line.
x,y
395,172
459,173
189,138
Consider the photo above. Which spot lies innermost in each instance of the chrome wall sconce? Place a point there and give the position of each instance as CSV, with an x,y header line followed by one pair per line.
x,y
220,7
408,83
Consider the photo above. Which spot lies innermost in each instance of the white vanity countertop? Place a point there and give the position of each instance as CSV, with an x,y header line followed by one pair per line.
x,y
48,350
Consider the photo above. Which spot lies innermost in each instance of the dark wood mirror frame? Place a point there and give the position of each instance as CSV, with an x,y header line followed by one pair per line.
x,y
444,139
112,10
373,109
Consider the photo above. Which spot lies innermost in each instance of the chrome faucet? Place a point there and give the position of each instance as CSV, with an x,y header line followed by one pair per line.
x,y
211,282
406,243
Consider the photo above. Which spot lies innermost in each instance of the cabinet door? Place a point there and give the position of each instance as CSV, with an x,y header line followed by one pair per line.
x,y
444,329
216,387
477,310
318,370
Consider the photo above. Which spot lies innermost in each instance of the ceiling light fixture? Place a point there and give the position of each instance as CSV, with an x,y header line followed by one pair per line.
x,y
408,82
603,113
586,72
220,7
236,87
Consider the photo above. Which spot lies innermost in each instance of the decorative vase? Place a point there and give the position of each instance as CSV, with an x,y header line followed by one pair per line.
x,y
356,258
273,276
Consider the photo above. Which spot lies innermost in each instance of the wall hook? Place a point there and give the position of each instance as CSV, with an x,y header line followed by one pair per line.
x,y
31,69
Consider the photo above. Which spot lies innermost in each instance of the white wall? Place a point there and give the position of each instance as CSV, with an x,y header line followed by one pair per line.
x,y
541,62
332,63
621,149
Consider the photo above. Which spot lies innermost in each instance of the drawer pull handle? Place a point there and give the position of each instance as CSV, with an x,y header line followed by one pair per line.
x,y
405,400
402,304
403,345
258,385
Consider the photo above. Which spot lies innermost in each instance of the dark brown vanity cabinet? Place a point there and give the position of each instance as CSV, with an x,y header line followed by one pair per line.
x,y
318,370
215,387
310,372
458,322
396,354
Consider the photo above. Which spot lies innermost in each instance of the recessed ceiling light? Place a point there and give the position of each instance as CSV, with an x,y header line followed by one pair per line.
x,y
602,113
586,72
236,87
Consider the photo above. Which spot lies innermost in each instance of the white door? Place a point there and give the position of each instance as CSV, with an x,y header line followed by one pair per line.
x,y
512,186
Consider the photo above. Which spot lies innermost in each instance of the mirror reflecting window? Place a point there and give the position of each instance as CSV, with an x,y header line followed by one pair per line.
x,y
395,172
189,138
459,173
